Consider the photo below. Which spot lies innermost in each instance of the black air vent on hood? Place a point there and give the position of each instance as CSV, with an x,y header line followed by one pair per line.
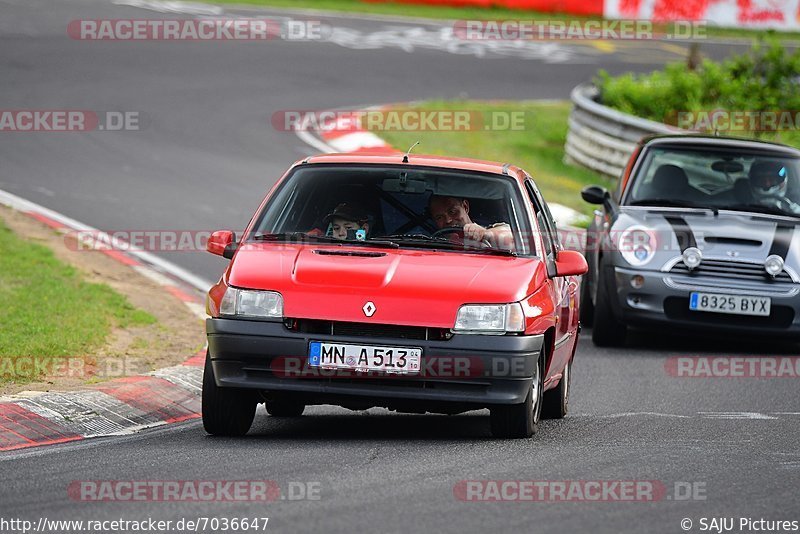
x,y
733,241
355,253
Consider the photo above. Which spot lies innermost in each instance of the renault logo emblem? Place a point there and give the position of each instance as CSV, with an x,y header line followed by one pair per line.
x,y
369,308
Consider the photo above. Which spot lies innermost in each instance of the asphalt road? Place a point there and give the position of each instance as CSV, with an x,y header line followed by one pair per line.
x,y
204,159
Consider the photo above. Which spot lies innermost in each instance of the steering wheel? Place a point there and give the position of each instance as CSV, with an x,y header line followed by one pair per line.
x,y
449,230
459,232
787,205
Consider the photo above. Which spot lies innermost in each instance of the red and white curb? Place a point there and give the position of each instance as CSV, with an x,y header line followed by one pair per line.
x,y
345,134
121,406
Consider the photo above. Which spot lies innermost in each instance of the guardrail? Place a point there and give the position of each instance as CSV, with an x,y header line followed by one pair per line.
x,y
603,139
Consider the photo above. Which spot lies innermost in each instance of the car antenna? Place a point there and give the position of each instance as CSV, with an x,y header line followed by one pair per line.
x,y
405,156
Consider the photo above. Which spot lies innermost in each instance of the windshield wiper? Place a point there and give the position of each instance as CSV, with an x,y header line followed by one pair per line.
x,y
293,236
760,208
417,237
672,203
299,237
427,241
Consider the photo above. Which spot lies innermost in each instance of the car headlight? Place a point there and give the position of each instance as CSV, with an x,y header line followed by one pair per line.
x,y
637,245
773,265
692,258
250,303
490,319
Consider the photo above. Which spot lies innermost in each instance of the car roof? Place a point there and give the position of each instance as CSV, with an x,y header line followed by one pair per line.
x,y
420,160
718,141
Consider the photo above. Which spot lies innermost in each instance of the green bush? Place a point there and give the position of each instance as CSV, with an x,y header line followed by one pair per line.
x,y
766,78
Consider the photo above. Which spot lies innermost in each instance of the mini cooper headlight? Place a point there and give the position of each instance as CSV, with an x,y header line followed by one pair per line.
x,y
637,245
490,319
692,257
250,303
773,265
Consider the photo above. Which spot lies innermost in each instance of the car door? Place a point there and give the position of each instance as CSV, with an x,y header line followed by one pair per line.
x,y
564,288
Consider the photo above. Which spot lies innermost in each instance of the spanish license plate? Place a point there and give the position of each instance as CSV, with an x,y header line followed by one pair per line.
x,y
733,304
364,358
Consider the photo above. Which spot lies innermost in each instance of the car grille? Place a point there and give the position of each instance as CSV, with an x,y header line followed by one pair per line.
x,y
730,269
340,328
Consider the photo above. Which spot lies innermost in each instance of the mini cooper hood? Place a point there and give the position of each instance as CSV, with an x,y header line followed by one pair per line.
x,y
730,235
406,286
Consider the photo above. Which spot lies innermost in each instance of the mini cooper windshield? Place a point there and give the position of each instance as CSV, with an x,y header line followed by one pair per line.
x,y
718,179
396,206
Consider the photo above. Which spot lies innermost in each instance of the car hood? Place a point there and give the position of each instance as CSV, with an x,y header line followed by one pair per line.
x,y
407,286
728,235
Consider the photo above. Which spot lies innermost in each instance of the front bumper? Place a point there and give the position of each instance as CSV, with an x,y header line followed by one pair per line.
x,y
664,299
464,372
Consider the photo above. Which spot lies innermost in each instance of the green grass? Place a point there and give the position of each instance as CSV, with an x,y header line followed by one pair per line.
x,y
459,13
48,310
538,148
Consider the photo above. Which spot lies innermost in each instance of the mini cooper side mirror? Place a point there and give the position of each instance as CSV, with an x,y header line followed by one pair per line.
x,y
594,194
570,263
222,243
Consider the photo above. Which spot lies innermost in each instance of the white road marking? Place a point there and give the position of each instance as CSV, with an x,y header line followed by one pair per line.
x,y
187,8
698,415
735,415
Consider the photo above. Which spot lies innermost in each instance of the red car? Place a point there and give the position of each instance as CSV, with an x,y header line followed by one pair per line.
x,y
415,283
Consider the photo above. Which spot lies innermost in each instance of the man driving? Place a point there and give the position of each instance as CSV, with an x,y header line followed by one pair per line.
x,y
453,212
768,183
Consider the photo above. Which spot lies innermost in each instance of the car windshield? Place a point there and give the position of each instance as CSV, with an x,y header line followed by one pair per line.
x,y
760,182
397,206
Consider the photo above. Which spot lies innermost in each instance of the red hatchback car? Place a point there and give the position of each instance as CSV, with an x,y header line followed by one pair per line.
x,y
415,283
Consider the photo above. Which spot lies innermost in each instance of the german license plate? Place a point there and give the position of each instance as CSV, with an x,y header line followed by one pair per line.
x,y
405,360
733,304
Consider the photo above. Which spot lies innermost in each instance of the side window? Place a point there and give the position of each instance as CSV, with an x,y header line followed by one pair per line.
x,y
545,222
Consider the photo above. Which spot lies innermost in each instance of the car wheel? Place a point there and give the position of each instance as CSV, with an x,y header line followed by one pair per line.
x,y
226,411
556,401
284,408
587,306
520,420
606,331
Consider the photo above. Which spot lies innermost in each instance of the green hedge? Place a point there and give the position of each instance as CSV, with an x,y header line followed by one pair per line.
x,y
765,79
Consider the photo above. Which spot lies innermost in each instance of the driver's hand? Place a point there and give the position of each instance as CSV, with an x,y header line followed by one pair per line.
x,y
475,232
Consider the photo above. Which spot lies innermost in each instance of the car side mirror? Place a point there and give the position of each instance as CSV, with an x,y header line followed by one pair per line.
x,y
222,243
594,194
570,263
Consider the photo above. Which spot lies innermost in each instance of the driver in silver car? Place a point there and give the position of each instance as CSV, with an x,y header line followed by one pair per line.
x,y
768,184
452,212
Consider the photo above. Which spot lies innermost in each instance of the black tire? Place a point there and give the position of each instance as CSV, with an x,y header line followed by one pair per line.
x,y
284,408
606,331
520,420
587,306
556,401
226,411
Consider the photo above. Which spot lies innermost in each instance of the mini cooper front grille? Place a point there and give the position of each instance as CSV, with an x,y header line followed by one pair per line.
x,y
340,328
730,269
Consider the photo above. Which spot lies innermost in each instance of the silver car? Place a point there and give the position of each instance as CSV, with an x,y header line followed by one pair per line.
x,y
700,233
